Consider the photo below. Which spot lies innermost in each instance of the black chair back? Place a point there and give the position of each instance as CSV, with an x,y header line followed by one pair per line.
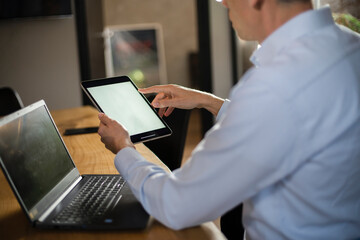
x,y
170,149
10,101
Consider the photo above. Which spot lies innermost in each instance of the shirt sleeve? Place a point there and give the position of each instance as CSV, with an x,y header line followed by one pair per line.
x,y
243,153
223,109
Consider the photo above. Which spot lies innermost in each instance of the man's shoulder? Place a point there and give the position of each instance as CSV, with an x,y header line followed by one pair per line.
x,y
348,32
311,54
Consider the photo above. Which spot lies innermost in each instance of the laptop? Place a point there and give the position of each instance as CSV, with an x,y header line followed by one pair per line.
x,y
48,185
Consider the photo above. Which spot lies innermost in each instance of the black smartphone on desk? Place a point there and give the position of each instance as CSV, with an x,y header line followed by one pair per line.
x,y
74,131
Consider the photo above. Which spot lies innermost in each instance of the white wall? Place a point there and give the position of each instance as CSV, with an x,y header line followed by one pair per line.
x,y
39,58
220,49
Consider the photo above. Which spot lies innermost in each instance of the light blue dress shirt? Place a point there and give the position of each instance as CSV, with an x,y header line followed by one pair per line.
x,y
287,143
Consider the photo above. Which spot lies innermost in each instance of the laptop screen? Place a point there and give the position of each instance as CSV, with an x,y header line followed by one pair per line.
x,y
33,154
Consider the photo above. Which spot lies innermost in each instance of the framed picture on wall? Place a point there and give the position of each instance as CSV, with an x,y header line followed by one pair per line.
x,y
136,51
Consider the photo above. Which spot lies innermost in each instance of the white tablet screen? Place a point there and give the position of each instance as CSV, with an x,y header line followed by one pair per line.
x,y
123,103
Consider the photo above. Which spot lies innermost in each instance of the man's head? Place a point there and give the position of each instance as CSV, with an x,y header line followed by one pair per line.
x,y
257,19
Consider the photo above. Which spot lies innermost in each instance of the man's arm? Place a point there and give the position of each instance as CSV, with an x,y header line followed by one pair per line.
x,y
240,155
174,96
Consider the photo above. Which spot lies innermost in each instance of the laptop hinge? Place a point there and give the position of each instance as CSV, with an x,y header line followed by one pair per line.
x,y
62,196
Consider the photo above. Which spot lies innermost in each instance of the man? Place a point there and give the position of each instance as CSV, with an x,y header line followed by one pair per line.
x,y
286,143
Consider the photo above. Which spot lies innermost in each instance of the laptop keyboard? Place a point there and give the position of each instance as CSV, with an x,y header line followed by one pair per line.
x,y
92,201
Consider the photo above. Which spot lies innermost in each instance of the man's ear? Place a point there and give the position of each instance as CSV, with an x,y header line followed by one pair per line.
x,y
256,4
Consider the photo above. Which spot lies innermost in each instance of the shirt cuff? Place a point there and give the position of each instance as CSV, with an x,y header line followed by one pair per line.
x,y
125,158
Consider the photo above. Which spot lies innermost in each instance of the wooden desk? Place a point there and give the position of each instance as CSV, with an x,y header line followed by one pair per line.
x,y
90,156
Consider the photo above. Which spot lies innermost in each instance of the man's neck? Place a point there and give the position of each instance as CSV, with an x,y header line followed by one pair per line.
x,y
274,15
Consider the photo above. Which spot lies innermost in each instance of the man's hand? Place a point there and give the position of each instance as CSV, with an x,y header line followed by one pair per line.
x,y
113,134
173,96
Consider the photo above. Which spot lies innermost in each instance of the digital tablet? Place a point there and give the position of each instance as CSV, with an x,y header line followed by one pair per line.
x,y
119,98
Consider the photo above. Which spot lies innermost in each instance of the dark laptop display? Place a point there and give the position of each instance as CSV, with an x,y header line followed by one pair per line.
x,y
31,151
46,182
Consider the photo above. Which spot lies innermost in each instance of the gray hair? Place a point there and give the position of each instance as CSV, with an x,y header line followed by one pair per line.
x,y
293,1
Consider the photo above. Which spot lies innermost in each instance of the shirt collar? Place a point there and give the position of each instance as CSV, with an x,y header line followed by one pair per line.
x,y
296,27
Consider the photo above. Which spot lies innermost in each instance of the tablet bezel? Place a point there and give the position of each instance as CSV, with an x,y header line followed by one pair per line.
x,y
136,138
